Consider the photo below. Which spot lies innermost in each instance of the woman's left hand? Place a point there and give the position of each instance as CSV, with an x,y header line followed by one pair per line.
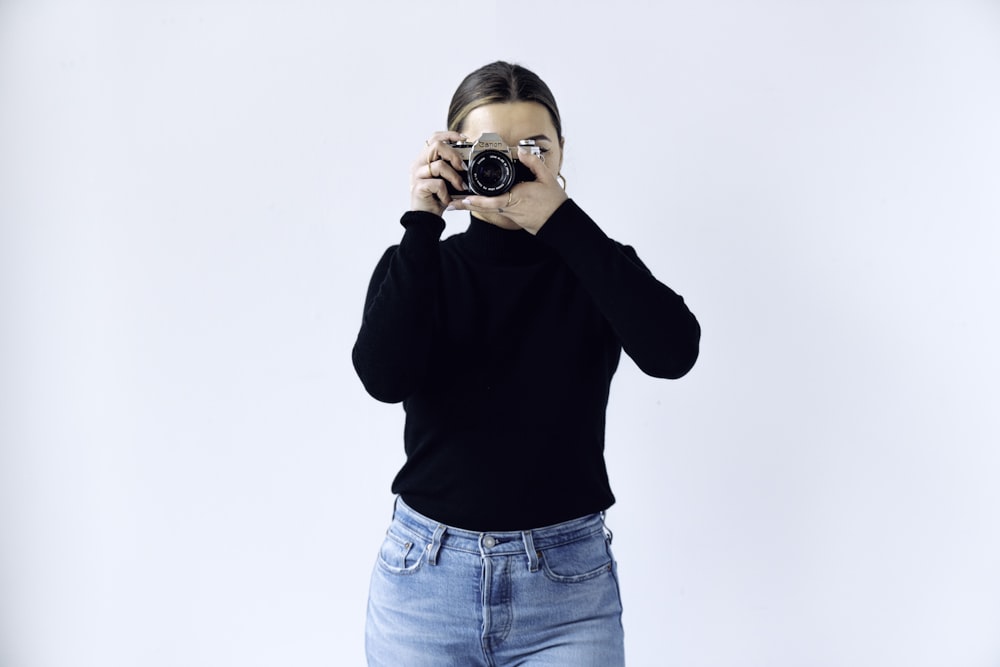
x,y
528,205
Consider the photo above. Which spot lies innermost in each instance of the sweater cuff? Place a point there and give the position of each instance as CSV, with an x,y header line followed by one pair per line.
x,y
422,222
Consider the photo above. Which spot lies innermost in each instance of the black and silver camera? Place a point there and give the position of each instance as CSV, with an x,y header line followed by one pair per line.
x,y
492,167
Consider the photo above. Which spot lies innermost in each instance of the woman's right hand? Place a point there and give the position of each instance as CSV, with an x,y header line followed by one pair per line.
x,y
437,165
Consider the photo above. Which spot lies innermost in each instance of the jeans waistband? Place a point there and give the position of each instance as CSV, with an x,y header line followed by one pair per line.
x,y
497,543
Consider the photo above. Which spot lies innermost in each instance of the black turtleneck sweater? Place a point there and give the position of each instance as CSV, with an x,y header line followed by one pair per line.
x,y
501,346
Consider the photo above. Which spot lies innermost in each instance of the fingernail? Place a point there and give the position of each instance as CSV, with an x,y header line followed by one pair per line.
x,y
449,207
467,202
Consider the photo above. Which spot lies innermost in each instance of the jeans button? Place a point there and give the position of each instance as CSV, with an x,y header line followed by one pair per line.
x,y
489,542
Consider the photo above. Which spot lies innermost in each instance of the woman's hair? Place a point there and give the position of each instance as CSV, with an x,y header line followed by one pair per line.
x,y
500,82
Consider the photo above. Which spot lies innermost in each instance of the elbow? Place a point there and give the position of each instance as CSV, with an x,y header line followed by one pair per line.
x,y
672,367
682,365
677,354
384,394
382,383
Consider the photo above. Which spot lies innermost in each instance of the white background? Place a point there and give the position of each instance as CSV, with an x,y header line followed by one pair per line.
x,y
193,196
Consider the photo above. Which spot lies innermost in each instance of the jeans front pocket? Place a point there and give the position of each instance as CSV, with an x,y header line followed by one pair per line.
x,y
577,561
401,554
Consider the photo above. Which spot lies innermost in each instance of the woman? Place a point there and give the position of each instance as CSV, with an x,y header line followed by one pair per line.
x,y
501,342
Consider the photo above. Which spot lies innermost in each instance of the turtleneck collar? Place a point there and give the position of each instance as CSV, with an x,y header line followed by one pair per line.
x,y
505,246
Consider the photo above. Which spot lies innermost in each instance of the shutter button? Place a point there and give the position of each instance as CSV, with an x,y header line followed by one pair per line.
x,y
489,542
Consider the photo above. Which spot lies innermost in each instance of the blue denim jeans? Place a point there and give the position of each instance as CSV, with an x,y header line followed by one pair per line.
x,y
443,596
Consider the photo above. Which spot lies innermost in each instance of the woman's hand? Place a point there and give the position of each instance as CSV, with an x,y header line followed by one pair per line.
x,y
527,205
437,165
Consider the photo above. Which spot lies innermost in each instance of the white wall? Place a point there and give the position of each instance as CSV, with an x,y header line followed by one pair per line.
x,y
193,195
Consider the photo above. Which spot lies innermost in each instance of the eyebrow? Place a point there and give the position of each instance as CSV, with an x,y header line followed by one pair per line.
x,y
538,137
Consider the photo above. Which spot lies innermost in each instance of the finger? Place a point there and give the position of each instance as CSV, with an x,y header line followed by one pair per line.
x,y
450,155
438,146
435,152
432,189
480,203
446,136
536,163
441,169
421,167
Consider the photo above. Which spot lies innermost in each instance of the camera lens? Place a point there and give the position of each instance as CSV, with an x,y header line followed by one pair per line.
x,y
491,173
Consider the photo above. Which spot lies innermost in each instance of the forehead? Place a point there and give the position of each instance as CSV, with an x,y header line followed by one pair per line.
x,y
511,120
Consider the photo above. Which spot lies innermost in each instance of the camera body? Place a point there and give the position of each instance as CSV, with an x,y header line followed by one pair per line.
x,y
491,166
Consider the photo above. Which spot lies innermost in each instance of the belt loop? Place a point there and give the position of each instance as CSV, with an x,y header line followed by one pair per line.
x,y
435,546
529,548
608,535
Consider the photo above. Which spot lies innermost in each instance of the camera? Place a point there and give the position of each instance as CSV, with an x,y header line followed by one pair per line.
x,y
491,166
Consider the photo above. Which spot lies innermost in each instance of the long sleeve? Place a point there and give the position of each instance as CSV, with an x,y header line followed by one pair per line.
x,y
391,353
654,325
